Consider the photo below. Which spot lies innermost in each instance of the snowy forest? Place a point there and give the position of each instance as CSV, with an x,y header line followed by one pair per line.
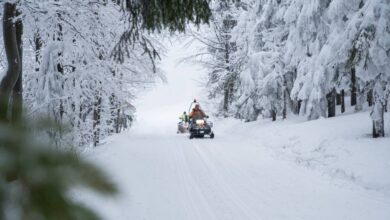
x,y
80,63
74,75
275,58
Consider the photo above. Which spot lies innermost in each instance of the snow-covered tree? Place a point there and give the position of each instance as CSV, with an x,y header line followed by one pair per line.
x,y
364,46
86,60
266,67
304,56
220,54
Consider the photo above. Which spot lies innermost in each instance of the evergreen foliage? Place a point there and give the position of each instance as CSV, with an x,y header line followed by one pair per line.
x,y
36,178
173,15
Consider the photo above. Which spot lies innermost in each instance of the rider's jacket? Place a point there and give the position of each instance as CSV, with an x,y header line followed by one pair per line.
x,y
184,118
197,113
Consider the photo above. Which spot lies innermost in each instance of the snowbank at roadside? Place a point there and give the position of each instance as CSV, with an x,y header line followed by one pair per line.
x,y
340,147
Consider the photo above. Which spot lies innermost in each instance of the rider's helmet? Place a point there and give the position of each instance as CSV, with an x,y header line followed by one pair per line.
x,y
184,112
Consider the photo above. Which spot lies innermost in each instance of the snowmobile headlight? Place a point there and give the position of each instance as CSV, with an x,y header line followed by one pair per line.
x,y
200,122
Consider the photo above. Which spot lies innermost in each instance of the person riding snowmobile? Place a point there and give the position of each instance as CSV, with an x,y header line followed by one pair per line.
x,y
197,112
199,127
183,124
184,117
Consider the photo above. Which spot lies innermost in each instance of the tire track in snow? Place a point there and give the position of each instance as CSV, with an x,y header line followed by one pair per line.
x,y
193,192
210,179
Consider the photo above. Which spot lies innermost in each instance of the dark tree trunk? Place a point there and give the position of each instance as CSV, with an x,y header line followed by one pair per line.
x,y
295,107
285,96
353,87
80,115
38,46
96,120
331,98
299,106
115,114
273,114
338,99
370,97
119,121
342,95
284,113
11,84
226,100
228,93
17,99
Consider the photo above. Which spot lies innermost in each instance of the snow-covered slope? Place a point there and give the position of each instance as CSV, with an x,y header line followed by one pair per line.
x,y
341,148
293,169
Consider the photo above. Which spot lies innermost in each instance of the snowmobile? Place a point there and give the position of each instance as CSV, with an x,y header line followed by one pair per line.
x,y
199,127
182,127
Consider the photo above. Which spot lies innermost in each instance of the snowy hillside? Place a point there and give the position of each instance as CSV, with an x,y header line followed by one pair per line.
x,y
292,169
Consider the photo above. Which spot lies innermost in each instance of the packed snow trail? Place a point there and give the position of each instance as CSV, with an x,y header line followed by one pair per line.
x,y
172,177
163,175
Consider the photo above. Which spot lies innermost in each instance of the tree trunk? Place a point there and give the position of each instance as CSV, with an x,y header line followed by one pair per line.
x,y
17,97
338,99
228,86
119,122
378,111
227,96
284,113
353,87
342,95
12,43
273,114
331,98
96,120
370,97
378,128
360,102
295,106
38,47
299,105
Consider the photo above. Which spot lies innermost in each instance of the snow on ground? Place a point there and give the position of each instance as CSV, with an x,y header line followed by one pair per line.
x,y
293,169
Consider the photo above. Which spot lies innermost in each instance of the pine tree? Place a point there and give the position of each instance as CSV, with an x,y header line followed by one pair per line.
x,y
37,178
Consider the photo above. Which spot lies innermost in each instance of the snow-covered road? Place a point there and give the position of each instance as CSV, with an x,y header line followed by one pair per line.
x,y
172,177
165,176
